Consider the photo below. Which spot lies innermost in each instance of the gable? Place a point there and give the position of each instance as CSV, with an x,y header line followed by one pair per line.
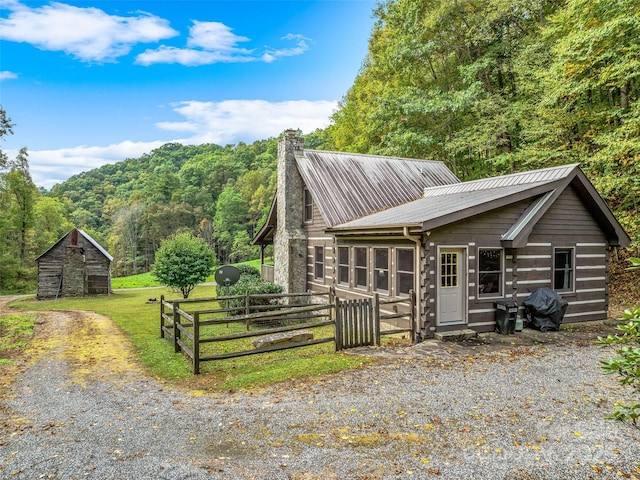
x,y
452,203
83,235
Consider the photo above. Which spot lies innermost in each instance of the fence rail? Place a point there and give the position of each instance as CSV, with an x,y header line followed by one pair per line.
x,y
196,333
217,328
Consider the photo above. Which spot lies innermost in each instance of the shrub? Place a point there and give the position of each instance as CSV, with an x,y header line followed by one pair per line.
x,y
248,271
183,261
251,285
626,361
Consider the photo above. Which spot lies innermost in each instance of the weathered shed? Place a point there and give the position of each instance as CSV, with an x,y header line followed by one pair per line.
x,y
75,266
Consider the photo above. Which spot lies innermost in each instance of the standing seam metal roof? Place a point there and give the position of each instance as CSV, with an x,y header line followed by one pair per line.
x,y
446,200
346,186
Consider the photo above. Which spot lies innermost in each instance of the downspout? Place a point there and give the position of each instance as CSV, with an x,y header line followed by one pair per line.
x,y
416,281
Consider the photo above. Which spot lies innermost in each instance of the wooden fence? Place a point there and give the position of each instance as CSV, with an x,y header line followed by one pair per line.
x,y
196,332
217,328
358,322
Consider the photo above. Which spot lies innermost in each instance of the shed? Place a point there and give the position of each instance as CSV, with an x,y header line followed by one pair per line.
x,y
75,266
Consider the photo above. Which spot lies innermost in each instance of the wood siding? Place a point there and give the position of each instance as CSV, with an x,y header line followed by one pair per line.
x,y
88,270
567,224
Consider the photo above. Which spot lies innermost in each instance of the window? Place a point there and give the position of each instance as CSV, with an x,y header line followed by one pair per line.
x,y
381,269
308,206
360,267
404,271
448,269
489,272
318,263
563,269
343,265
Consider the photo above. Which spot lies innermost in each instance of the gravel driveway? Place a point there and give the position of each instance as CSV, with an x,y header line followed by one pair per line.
x,y
518,412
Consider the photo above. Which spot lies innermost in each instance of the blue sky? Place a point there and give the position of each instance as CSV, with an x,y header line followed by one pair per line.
x,y
93,82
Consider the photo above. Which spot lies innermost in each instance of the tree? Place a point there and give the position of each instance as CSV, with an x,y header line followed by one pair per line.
x,y
230,218
626,361
17,197
183,261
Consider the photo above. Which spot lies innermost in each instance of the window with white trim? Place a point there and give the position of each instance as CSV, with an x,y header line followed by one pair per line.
x,y
490,272
563,269
343,265
318,262
381,269
308,206
404,271
360,267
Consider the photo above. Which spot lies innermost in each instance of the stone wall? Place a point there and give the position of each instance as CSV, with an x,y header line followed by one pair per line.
x,y
73,273
290,243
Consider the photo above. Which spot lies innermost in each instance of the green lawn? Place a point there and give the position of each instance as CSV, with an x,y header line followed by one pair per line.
x,y
147,280
140,320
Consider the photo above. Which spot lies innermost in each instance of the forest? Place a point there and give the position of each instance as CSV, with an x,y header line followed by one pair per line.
x,y
487,86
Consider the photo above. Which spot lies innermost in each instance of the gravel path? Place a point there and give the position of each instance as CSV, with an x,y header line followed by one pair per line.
x,y
515,413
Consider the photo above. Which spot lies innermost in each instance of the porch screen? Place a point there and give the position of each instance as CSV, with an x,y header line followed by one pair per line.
x,y
343,265
381,269
404,270
360,254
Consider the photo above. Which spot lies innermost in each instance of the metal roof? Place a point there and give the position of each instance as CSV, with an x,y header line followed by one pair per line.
x,y
428,209
473,197
345,186
524,178
451,203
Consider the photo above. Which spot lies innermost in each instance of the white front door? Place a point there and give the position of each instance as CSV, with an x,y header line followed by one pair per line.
x,y
452,286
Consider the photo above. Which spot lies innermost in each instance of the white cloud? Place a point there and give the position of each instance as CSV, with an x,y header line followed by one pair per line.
x,y
221,123
88,34
214,42
187,56
213,36
7,75
231,121
49,167
301,47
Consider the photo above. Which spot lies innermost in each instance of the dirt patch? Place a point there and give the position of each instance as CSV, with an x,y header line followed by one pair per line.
x,y
90,343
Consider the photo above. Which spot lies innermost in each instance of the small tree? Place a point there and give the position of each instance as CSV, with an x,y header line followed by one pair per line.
x,y
626,362
183,261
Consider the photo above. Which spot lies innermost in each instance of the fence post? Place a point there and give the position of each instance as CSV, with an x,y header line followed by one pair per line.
x,y
332,296
247,308
376,319
412,314
338,324
196,343
161,316
176,330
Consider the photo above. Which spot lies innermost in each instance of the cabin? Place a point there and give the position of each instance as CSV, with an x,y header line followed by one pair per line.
x,y
366,224
75,266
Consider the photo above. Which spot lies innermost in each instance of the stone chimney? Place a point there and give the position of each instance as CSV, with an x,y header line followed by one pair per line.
x,y
290,242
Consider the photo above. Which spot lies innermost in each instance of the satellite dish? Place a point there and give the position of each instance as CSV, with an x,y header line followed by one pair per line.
x,y
227,275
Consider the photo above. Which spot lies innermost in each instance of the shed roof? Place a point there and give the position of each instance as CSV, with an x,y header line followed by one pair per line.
x,y
447,204
86,236
345,186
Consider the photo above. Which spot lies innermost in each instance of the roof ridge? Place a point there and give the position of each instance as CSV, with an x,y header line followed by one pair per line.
x,y
385,157
518,178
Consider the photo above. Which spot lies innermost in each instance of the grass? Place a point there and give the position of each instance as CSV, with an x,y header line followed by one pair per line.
x,y
143,280
140,321
15,331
